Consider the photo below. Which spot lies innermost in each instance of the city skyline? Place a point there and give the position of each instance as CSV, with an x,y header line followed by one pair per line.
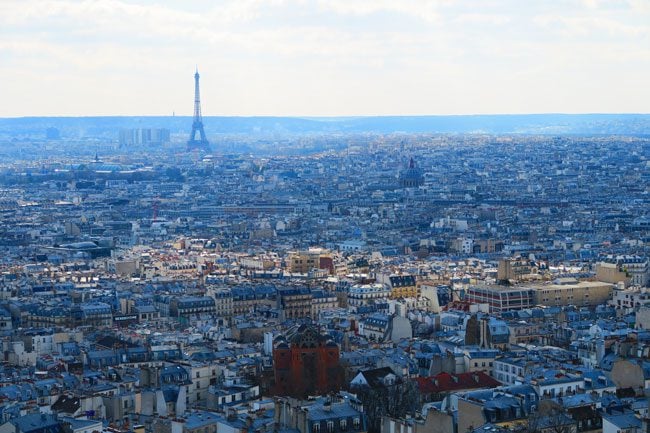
x,y
373,216
328,58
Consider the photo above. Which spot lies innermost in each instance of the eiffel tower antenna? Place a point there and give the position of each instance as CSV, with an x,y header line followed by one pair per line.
x,y
197,122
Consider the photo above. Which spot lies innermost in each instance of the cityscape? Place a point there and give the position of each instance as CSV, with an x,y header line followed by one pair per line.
x,y
403,273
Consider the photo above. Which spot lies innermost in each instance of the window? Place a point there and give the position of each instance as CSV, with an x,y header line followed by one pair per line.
x,y
198,374
344,424
316,427
356,423
330,426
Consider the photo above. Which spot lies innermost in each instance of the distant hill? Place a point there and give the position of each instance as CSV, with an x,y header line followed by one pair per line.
x,y
555,124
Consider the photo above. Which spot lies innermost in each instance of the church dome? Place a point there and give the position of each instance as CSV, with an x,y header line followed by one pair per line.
x,y
411,177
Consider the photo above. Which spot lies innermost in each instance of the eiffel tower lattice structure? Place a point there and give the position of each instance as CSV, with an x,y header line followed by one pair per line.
x,y
197,122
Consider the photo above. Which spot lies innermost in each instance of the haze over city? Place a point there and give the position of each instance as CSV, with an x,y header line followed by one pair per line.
x,y
294,216
324,58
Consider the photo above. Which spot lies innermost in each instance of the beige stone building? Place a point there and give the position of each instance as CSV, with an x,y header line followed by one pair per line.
x,y
434,421
569,291
400,285
629,373
302,262
515,269
202,375
643,318
222,299
429,290
611,273
322,300
295,302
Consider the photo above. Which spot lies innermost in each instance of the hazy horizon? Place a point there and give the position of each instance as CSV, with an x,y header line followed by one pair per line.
x,y
323,117
327,58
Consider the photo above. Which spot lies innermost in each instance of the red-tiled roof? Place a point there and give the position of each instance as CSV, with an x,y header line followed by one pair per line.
x,y
445,382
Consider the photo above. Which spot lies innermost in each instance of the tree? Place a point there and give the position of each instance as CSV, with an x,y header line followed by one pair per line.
x,y
174,174
395,400
551,417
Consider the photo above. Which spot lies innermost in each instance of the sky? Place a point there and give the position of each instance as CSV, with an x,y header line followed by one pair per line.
x,y
324,57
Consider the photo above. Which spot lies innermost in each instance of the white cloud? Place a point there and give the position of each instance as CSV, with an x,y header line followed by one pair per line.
x,y
492,19
327,57
420,9
590,25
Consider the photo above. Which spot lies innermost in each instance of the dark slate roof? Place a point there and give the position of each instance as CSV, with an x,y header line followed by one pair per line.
x,y
624,421
375,376
66,404
319,412
36,423
111,342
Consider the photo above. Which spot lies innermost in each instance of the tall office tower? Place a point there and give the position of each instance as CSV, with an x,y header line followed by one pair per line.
x,y
197,123
140,136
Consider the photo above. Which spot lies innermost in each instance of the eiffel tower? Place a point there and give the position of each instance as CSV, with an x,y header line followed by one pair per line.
x,y
197,123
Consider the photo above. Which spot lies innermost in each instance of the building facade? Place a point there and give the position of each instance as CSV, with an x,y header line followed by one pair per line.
x,y
306,362
501,298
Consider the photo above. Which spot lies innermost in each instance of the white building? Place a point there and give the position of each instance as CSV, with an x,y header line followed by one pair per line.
x,y
364,294
637,268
